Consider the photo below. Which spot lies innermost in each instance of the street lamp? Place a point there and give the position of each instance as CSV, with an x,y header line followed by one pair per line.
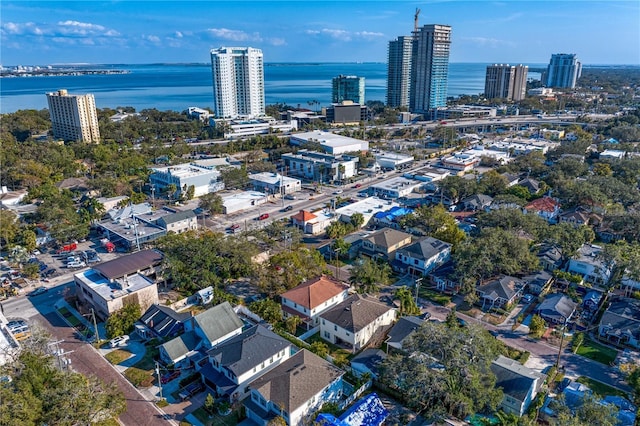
x,y
418,281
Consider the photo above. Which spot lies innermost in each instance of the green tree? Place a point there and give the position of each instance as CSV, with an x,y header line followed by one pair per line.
x,y
234,177
122,321
210,404
27,239
577,341
634,382
319,348
537,326
407,302
9,227
367,275
171,190
191,190
436,222
452,319
269,310
292,323
357,220
290,268
211,203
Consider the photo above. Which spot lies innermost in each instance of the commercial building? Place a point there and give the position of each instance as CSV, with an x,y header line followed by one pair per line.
x,y
73,117
347,88
258,126
346,113
429,68
242,201
399,72
320,167
109,286
563,71
330,142
203,179
393,161
238,82
368,207
506,82
395,188
274,183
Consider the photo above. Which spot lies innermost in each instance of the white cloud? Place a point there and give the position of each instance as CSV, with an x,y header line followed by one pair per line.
x,y
489,42
369,34
233,35
178,34
277,41
344,35
84,25
337,34
151,38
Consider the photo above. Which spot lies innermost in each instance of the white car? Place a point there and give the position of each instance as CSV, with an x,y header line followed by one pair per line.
x,y
339,191
76,264
119,341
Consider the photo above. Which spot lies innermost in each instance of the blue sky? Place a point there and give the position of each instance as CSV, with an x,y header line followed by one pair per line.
x,y
508,31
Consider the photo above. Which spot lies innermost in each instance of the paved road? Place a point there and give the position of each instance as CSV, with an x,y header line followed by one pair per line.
x,y
575,365
84,358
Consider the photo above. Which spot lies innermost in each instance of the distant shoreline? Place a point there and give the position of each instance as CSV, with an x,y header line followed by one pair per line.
x,y
57,73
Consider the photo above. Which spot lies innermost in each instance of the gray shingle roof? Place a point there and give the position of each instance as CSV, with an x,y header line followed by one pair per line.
x,y
403,328
129,264
178,216
181,345
163,320
557,305
387,237
243,352
425,248
295,381
515,379
218,321
504,287
370,358
355,313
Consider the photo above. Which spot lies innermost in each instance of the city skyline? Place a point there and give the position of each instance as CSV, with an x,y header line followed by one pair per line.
x,y
38,33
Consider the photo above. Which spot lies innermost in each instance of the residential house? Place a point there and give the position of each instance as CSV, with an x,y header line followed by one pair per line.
x,y
591,300
557,309
538,282
422,257
477,202
401,331
367,362
237,361
620,323
588,264
580,216
179,222
500,292
355,321
313,297
530,184
294,390
629,284
202,331
511,179
444,278
383,243
519,384
108,286
545,207
161,322
550,257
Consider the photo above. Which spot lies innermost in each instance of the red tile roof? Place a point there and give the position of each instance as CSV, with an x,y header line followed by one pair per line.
x,y
544,204
303,216
315,292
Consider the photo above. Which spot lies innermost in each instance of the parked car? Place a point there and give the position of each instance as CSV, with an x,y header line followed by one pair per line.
x,y
263,216
527,298
287,209
289,197
38,291
76,264
119,341
49,272
339,191
191,390
169,377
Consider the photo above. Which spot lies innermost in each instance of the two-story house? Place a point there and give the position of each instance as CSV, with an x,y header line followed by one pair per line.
x,y
519,384
588,264
294,390
234,363
620,323
422,257
545,207
383,243
311,298
354,321
203,331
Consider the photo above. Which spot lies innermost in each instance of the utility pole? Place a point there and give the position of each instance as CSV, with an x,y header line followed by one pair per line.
x,y
564,325
159,380
95,326
418,281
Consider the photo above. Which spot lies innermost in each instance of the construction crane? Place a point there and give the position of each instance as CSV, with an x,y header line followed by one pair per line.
x,y
415,21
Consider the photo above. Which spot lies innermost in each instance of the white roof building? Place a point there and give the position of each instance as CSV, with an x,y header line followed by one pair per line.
x,y
242,200
612,154
204,179
368,207
274,183
396,187
330,142
392,160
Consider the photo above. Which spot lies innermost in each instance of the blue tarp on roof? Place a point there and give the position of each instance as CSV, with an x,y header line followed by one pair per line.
x,y
393,212
367,411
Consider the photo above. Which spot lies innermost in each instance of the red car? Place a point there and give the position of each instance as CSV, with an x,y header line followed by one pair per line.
x,y
169,377
263,216
357,185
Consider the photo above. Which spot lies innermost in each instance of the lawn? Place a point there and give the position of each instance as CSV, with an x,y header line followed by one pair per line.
x,y
141,374
217,420
439,298
117,356
600,388
338,354
597,352
69,317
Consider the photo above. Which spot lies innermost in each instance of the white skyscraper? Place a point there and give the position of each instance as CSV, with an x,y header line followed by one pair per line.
x,y
238,82
563,71
73,117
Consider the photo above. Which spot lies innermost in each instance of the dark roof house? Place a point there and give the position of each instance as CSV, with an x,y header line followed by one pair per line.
x,y
519,384
162,321
356,312
217,324
499,292
477,202
139,262
557,308
367,361
402,329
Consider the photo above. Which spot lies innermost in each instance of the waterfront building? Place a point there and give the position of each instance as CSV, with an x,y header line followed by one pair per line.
x,y
399,72
347,88
563,71
73,117
506,82
346,113
429,68
238,82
